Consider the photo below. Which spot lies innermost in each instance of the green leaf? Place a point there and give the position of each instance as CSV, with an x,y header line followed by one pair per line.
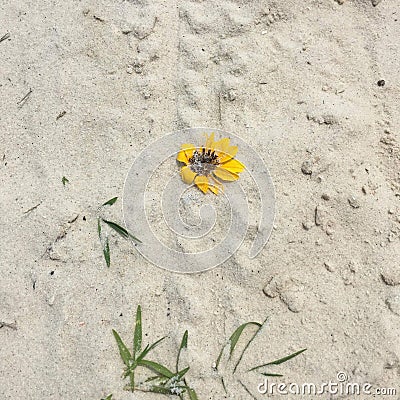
x,y
153,378
137,338
158,368
123,350
179,375
148,348
120,230
184,344
192,394
106,252
249,343
109,397
64,180
110,202
142,355
280,361
233,340
158,389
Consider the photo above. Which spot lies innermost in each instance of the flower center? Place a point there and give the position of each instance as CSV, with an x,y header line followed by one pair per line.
x,y
203,161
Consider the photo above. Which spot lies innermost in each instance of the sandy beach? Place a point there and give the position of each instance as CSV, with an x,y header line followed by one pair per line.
x,y
312,86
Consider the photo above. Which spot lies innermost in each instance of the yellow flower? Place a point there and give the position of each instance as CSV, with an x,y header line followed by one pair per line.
x,y
208,165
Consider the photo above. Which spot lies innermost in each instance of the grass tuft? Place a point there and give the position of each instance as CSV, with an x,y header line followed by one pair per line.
x,y
233,341
165,381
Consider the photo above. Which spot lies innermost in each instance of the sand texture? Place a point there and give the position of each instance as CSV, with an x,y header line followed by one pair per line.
x,y
87,85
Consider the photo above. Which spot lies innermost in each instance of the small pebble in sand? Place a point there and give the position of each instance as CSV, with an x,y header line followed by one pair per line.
x,y
325,196
293,300
230,95
51,300
329,267
306,167
307,225
329,119
375,2
272,288
126,29
353,201
393,303
321,215
381,82
391,275
353,267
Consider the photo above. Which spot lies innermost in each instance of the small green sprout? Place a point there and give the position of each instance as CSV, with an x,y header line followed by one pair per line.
x,y
233,341
104,240
161,380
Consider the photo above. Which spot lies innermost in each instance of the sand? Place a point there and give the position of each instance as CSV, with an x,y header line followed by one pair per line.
x,y
298,81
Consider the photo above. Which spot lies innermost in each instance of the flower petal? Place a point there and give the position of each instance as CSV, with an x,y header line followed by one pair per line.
x,y
213,188
216,185
229,153
186,153
187,175
225,150
182,157
233,166
202,183
222,145
225,175
210,141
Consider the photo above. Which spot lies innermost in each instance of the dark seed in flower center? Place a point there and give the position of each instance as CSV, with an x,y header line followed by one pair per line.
x,y
203,161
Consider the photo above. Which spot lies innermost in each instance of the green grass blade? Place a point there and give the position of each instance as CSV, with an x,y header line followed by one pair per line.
x,y
109,397
148,348
280,361
106,252
152,378
123,350
99,228
142,355
249,343
275,375
184,344
223,384
233,340
158,368
159,389
110,202
121,231
236,335
247,390
179,375
64,180
192,394
137,337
